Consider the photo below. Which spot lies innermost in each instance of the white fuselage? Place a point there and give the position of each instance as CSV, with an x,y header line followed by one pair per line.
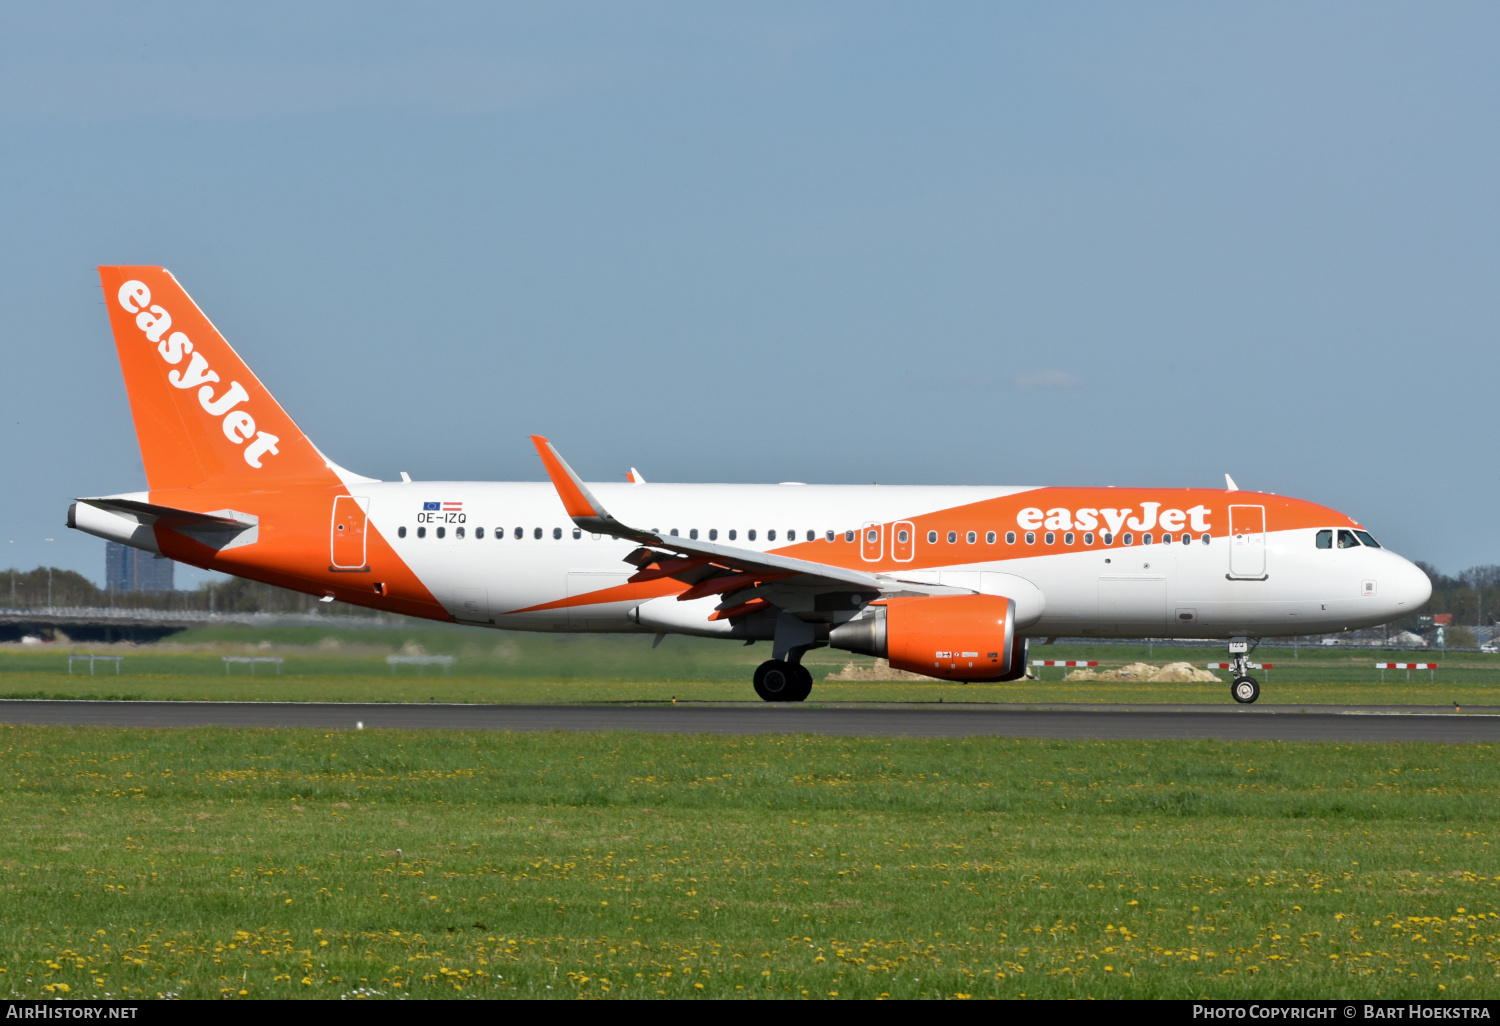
x,y
491,568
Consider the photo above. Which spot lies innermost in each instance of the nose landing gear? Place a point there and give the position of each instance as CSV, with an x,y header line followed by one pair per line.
x,y
1245,689
777,680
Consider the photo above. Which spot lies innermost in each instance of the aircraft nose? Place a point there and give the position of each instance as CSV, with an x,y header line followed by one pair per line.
x,y
1411,588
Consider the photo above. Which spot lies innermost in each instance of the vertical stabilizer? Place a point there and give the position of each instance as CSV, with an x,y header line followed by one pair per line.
x,y
200,415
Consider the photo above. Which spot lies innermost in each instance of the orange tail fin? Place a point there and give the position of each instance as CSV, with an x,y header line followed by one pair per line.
x,y
200,415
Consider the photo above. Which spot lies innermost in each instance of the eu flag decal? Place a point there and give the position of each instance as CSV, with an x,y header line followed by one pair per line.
x,y
431,505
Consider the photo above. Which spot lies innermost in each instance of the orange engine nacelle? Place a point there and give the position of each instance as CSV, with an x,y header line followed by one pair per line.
x,y
954,637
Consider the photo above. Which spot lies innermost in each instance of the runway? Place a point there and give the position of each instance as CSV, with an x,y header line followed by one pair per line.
x,y
1229,723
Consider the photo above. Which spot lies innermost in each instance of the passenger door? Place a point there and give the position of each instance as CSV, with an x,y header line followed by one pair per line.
x,y
1247,542
347,541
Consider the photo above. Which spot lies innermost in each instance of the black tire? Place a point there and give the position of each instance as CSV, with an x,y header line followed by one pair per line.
x,y
804,684
1245,690
776,681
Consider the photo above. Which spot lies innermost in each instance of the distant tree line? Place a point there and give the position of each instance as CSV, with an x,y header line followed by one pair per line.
x,y
1473,597
28,589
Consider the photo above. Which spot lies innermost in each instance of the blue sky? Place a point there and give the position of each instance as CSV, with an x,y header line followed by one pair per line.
x,y
983,243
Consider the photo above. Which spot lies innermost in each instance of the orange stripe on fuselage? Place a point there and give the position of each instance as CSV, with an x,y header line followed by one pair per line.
x,y
620,593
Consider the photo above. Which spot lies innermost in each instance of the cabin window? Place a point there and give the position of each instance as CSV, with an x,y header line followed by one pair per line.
x,y
1166,539
713,534
478,534
813,534
1030,537
1365,537
829,535
971,537
1049,538
1010,537
693,534
848,536
1088,537
1347,540
577,534
1107,538
421,532
872,536
520,533
989,538
1187,539
556,533
903,536
401,532
1146,538
1068,538
1205,539
931,537
732,534
771,535
441,531
537,533
674,532
750,534
791,536
458,532
1127,538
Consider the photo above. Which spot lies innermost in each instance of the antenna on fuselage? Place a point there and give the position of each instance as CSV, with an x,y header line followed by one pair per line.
x,y
1229,484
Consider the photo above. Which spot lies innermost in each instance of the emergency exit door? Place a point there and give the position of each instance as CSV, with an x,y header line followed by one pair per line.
x,y
348,541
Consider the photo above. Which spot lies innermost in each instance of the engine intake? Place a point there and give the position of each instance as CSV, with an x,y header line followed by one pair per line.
x,y
952,637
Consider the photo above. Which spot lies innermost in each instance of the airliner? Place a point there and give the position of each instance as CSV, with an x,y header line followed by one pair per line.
x,y
948,582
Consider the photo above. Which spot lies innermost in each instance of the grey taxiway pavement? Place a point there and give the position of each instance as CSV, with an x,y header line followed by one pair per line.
x,y
1267,723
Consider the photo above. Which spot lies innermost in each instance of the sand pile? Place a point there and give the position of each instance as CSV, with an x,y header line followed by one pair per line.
x,y
880,671
1172,673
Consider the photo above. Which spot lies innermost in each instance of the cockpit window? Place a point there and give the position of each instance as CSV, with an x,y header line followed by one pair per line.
x,y
1364,536
1325,539
1347,540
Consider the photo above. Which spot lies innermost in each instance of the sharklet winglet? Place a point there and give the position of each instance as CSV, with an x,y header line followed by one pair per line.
x,y
585,510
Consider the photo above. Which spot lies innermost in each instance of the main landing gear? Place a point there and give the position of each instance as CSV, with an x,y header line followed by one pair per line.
x,y
1245,689
777,680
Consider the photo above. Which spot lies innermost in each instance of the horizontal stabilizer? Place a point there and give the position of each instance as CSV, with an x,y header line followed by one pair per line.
x,y
150,513
134,521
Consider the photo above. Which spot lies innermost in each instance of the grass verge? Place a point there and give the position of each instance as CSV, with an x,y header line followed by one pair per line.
x,y
304,863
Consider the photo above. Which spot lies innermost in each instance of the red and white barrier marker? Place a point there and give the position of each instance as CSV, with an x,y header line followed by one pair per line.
x,y
1408,667
1062,662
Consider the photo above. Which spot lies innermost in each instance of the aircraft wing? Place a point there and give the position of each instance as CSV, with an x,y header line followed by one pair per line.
x,y
589,514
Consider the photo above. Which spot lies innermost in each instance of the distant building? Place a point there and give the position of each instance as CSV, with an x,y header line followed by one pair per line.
x,y
129,569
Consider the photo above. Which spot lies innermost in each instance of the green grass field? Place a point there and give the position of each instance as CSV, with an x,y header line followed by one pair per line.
x,y
303,863
332,664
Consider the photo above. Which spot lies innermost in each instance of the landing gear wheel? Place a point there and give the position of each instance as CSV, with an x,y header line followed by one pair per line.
x,y
803,686
1245,690
778,681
